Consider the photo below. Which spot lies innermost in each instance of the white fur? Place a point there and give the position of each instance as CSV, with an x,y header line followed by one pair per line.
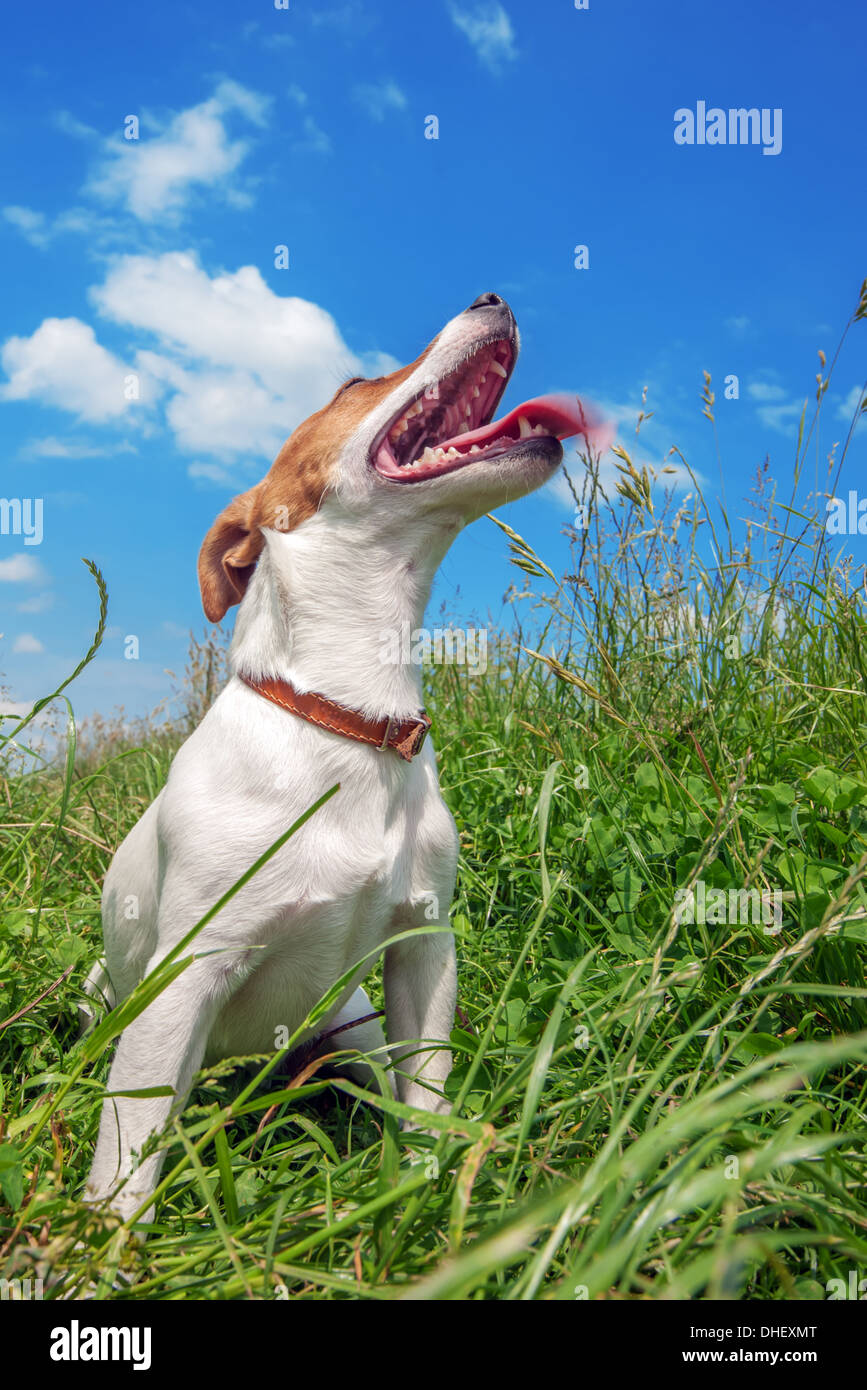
x,y
368,865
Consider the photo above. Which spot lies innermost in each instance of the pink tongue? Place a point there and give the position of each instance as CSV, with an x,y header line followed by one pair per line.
x,y
561,415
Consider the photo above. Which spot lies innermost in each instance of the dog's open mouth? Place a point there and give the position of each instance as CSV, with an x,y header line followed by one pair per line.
x,y
450,424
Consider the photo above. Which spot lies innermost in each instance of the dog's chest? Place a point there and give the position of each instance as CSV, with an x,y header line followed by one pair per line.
x,y
375,860
379,848
383,842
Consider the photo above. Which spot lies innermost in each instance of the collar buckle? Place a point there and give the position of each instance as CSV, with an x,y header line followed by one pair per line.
x,y
421,733
389,726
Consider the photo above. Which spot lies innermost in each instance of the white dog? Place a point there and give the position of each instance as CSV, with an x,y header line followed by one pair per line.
x,y
335,549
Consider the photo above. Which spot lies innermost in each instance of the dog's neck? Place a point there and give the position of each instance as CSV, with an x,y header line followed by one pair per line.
x,y
332,604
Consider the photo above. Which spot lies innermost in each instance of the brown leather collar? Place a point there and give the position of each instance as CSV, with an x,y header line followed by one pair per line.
x,y
405,736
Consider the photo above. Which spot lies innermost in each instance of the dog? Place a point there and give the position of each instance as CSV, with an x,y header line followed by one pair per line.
x,y
334,549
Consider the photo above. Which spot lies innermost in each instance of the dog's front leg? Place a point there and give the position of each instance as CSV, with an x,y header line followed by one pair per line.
x,y
164,1046
420,997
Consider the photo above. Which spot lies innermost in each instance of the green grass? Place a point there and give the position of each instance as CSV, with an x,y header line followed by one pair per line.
x,y
645,1106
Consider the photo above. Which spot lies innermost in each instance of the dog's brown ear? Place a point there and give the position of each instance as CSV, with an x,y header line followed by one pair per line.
x,y
228,555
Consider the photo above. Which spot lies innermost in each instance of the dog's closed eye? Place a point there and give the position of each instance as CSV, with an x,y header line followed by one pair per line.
x,y
358,381
353,381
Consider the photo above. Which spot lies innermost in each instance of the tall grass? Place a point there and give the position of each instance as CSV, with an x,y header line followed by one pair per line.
x,y
647,1105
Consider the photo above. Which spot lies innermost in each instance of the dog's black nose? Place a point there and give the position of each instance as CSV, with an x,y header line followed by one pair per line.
x,y
486,301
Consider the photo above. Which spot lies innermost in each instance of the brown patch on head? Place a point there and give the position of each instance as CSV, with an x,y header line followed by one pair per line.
x,y
290,492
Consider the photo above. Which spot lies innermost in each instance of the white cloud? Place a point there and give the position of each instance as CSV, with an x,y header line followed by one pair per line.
x,y
375,364
38,604
239,366
781,418
225,413
775,410
31,224
233,320
212,473
489,30
313,139
62,364
766,391
40,231
850,403
155,176
21,569
352,18
738,325
378,98
26,642
71,125
50,447
278,41
15,709
242,365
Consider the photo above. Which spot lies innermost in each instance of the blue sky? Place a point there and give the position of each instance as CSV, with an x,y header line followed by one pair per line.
x,y
306,127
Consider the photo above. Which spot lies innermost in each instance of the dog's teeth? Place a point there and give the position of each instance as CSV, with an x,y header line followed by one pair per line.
x,y
501,371
476,392
402,425
524,427
483,379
